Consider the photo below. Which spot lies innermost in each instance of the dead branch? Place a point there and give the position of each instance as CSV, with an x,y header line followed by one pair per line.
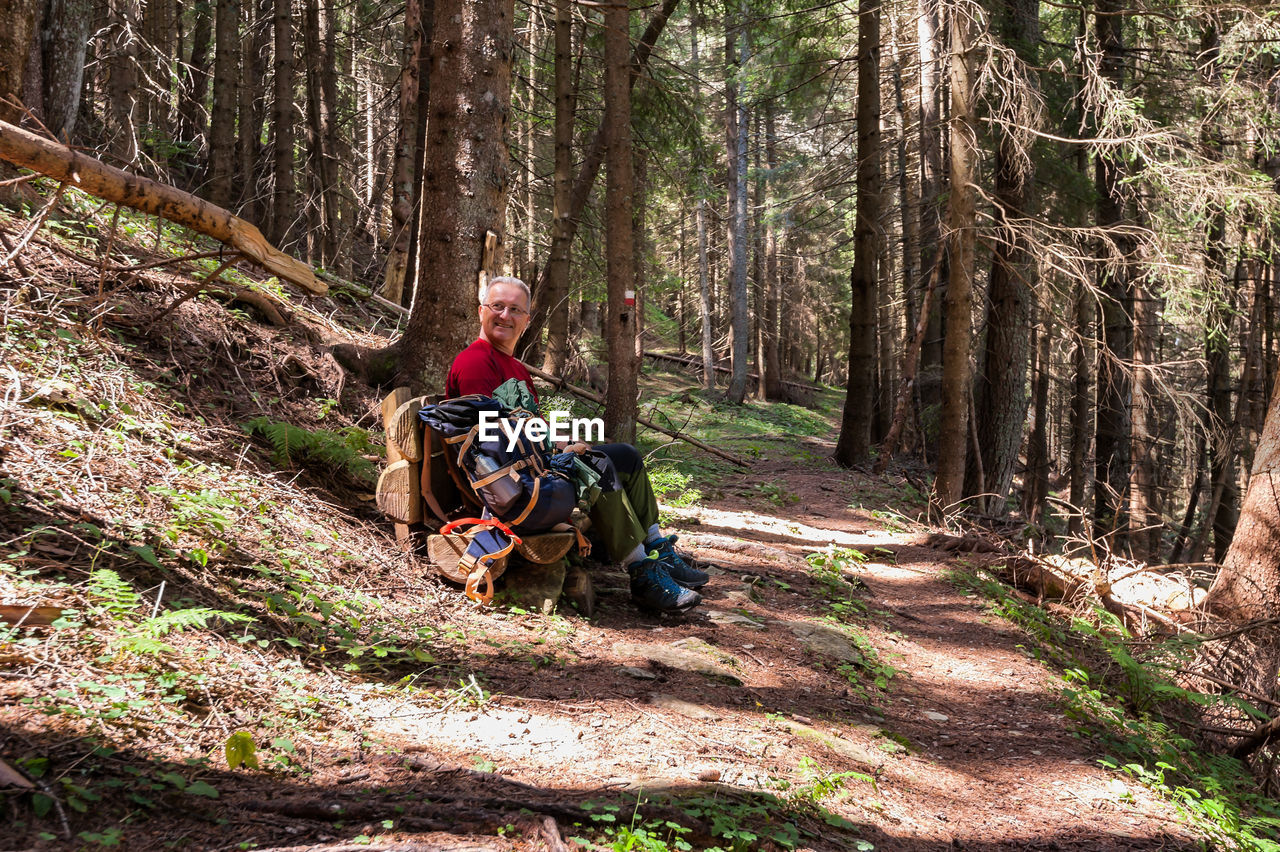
x,y
31,229
27,150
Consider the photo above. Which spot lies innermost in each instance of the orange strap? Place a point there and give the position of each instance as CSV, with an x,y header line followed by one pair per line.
x,y
448,529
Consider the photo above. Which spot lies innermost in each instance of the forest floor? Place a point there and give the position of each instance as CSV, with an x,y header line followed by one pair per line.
x,y
228,599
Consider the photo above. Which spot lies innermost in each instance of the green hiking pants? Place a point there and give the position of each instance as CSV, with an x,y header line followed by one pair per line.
x,y
627,506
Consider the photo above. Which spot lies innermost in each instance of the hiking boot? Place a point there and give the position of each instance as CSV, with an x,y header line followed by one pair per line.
x,y
679,569
653,588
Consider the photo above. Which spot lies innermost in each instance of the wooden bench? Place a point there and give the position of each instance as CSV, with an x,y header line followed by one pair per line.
x,y
421,489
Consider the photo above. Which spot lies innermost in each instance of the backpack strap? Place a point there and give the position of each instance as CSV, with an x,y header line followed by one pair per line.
x,y
478,568
429,441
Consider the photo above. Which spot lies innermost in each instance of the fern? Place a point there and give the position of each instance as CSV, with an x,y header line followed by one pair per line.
x,y
117,596
178,620
333,448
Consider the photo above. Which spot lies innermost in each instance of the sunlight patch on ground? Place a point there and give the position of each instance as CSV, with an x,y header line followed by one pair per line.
x,y
755,522
492,732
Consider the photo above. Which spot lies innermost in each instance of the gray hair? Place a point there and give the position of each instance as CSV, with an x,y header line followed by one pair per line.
x,y
506,279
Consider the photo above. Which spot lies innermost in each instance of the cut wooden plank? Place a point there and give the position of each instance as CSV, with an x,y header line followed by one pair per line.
x,y
393,401
412,499
30,616
397,494
404,429
29,151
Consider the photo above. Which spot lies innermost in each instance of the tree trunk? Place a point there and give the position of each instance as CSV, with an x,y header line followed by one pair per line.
x,y
252,115
757,260
284,205
591,162
195,86
1001,395
403,171
321,101
954,423
556,295
737,52
771,375
620,323
465,180
222,123
1247,587
1036,478
1113,444
1145,524
65,39
122,84
19,18
854,443
417,248
930,130
706,311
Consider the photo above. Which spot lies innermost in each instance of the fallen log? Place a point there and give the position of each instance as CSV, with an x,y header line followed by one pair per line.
x,y
29,151
590,396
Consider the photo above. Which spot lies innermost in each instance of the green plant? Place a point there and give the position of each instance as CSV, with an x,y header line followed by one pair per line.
x,y
345,449
1134,707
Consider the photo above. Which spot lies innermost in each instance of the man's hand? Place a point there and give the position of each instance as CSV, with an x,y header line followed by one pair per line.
x,y
578,448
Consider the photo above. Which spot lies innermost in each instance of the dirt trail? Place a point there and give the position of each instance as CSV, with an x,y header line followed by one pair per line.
x,y
968,746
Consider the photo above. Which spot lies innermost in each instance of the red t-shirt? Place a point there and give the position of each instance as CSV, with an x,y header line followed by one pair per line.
x,y
480,368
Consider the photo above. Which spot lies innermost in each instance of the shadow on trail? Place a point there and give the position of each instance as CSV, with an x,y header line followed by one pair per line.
x,y
415,803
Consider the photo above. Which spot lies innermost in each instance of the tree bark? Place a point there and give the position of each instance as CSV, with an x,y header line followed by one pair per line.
x,y
321,102
854,443
195,83
556,295
65,39
222,123
1001,395
930,131
706,311
954,424
771,375
620,324
122,79
465,180
1247,587
1036,491
737,52
284,203
1113,425
15,44
403,171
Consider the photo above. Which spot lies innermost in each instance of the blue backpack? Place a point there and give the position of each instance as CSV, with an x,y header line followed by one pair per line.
x,y
517,484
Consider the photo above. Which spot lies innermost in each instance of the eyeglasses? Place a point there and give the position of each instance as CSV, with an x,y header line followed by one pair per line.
x,y
499,308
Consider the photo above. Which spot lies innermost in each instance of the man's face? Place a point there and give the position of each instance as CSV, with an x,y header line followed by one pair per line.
x,y
503,328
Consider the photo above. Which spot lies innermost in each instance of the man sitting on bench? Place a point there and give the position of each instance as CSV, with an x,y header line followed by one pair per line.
x,y
626,515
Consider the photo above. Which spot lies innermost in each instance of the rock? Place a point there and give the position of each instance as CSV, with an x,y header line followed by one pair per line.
x,y
709,775
638,673
579,590
935,716
689,655
720,617
533,587
826,640
684,708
